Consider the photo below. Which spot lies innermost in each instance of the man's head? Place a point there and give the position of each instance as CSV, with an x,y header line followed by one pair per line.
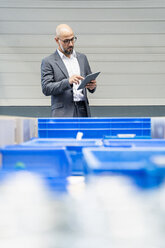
x,y
65,39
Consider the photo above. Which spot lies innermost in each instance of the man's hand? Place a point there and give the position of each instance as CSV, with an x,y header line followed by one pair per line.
x,y
91,85
75,79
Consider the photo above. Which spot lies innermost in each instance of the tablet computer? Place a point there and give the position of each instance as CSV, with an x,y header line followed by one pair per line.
x,y
88,79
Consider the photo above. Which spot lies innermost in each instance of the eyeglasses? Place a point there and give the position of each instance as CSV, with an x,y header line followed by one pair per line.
x,y
67,41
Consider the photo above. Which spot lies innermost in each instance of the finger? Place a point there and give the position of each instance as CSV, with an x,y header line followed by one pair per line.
x,y
76,81
90,87
80,78
91,84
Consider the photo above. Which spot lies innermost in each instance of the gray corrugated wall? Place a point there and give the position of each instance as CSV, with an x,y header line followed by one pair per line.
x,y
125,40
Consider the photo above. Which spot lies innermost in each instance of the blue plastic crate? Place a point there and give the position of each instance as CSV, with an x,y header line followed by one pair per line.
x,y
72,133
62,142
97,133
93,125
120,159
73,146
96,119
145,167
128,136
134,142
53,162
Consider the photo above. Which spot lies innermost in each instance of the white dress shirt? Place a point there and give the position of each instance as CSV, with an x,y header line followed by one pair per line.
x,y
73,68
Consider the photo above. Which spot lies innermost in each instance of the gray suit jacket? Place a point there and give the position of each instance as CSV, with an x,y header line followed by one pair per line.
x,y
55,83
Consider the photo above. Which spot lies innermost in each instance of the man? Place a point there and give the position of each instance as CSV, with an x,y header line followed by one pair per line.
x,y
61,73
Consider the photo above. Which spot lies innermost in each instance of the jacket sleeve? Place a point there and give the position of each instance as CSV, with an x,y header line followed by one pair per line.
x,y
88,71
49,86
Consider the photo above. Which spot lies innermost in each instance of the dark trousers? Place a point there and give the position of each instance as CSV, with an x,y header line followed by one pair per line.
x,y
80,109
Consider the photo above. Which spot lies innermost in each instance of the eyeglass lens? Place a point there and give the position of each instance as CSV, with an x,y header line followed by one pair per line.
x,y
70,40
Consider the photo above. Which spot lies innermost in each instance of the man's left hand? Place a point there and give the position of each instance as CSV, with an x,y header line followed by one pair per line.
x,y
91,85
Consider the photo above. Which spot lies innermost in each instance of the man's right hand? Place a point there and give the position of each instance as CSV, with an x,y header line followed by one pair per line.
x,y
75,79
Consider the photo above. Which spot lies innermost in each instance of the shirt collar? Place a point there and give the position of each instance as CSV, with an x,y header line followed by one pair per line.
x,y
63,55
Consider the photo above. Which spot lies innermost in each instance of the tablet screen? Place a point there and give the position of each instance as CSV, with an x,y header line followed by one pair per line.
x,y
88,79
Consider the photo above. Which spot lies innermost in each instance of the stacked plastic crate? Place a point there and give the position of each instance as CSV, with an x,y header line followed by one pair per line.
x,y
96,128
105,206
72,146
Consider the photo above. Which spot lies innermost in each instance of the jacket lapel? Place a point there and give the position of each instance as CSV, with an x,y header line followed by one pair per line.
x,y
82,73
60,64
80,61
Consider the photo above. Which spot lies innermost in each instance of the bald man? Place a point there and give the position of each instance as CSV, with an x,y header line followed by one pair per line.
x,y
61,73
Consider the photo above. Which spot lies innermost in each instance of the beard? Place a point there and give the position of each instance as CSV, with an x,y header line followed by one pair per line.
x,y
69,50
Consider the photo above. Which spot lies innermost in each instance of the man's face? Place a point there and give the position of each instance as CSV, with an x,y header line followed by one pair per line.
x,y
66,43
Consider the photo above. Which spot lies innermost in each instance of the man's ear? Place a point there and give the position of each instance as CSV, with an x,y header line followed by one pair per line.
x,y
56,39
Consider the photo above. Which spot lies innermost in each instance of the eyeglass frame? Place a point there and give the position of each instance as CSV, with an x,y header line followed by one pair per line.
x,y
67,41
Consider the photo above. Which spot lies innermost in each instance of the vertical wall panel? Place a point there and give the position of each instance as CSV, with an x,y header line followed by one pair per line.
x,y
125,40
